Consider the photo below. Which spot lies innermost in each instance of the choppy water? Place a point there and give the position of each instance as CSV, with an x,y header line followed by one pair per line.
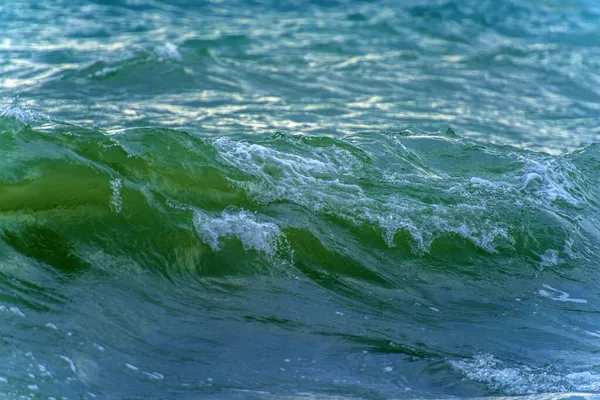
x,y
308,199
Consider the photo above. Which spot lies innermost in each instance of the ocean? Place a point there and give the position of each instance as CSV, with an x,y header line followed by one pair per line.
x,y
320,199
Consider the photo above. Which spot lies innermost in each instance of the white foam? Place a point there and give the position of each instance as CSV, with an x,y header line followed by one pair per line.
x,y
254,158
243,225
169,51
488,184
116,202
316,181
552,177
25,115
568,249
532,176
522,379
105,72
132,367
153,375
484,239
391,224
70,362
549,258
585,381
558,295
16,310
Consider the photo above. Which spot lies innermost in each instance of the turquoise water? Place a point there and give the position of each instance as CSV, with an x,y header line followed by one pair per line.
x,y
321,199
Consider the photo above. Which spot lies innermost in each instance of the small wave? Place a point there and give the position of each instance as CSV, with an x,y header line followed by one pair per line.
x,y
144,62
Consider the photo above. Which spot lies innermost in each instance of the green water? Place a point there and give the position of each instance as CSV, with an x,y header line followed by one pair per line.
x,y
310,200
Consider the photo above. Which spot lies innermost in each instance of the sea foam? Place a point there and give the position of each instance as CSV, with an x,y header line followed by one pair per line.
x,y
265,237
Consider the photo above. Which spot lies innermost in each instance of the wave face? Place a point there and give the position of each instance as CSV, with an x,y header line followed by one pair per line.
x,y
303,199
383,255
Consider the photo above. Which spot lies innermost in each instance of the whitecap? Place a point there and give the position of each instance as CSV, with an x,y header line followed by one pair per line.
x,y
243,225
532,176
25,115
554,180
322,181
549,259
585,381
169,51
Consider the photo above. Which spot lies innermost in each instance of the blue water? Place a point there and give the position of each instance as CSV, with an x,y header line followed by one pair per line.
x,y
301,199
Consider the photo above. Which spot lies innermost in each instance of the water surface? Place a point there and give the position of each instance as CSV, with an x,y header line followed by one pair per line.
x,y
310,199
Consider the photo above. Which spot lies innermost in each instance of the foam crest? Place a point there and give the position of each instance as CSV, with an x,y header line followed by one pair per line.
x,y
243,225
169,51
303,179
551,179
257,157
25,115
328,180
549,259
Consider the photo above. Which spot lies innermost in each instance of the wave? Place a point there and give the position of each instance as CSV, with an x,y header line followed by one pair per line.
x,y
422,192
373,216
